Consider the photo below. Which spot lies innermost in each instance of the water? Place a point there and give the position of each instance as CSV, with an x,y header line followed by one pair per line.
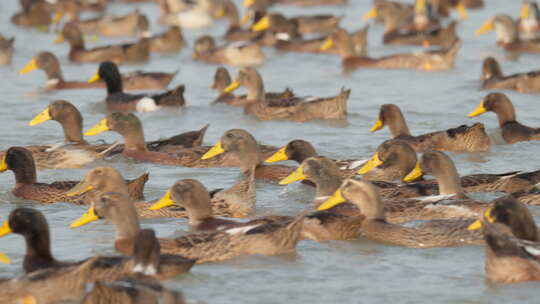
x,y
348,272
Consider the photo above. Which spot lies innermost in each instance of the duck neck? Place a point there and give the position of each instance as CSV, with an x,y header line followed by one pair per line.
x,y
127,228
38,251
505,112
114,84
134,140
77,42
327,184
373,211
25,174
345,46
448,180
249,157
72,127
255,89
54,73
398,126
232,15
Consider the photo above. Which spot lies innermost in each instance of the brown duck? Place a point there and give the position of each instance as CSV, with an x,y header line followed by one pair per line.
x,y
169,41
493,78
239,54
33,14
425,61
512,242
131,52
137,80
507,35
429,234
222,80
117,100
265,239
298,109
462,138
6,49
512,130
20,161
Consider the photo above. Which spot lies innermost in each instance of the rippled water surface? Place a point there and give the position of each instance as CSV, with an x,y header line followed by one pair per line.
x,y
347,272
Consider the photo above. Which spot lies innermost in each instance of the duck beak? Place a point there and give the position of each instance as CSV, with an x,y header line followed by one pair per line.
x,y
88,217
3,164
280,155
5,229
462,10
42,117
59,39
328,43
478,223
248,3
94,78
79,189
245,19
4,258
488,26
220,12
233,86
100,127
57,18
261,25
371,164
163,202
414,174
524,12
481,109
217,149
420,6
336,199
30,66
297,175
371,14
377,126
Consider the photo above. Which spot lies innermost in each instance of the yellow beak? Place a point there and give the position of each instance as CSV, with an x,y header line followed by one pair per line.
x,y
328,43
245,19
79,189
371,164
59,39
296,175
88,217
100,127
261,25
42,117
3,164
420,6
481,109
414,174
336,199
4,258
371,14
524,12
248,3
462,10
29,299
233,86
94,78
217,149
280,155
163,202
488,26
57,18
5,229
30,66
478,223
377,126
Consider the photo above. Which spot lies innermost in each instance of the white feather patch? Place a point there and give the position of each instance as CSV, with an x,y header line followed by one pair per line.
x,y
283,36
434,198
147,270
532,250
241,230
355,164
147,104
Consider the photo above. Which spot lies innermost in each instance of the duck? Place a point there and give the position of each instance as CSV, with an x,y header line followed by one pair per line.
x,y
310,24
20,161
511,238
117,100
298,150
358,39
493,78
129,52
185,14
443,37
529,21
463,138
239,54
137,80
507,33
264,239
135,147
170,41
6,49
222,80
299,109
512,131
235,31
375,227
425,61
109,26
242,145
268,3
33,14
392,161
394,13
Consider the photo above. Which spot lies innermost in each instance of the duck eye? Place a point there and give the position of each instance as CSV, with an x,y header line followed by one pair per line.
x,y
229,135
